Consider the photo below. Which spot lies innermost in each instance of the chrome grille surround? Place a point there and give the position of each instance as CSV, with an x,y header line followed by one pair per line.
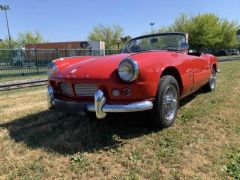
x,y
88,90
66,89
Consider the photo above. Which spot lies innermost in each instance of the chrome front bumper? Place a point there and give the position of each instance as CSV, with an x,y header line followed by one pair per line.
x,y
100,107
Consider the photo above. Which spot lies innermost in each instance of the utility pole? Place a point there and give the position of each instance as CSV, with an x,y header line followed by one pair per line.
x,y
5,8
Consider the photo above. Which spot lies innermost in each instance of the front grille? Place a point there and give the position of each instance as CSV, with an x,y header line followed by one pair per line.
x,y
85,89
66,89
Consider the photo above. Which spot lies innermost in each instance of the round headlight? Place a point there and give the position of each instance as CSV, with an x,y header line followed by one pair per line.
x,y
128,70
52,68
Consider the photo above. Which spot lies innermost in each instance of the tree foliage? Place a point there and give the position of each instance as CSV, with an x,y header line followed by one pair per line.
x,y
111,35
5,43
125,39
228,31
205,31
22,39
29,38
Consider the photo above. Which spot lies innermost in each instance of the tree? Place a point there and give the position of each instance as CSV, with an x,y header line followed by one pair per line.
x,y
205,31
110,35
228,31
29,38
22,39
5,43
181,24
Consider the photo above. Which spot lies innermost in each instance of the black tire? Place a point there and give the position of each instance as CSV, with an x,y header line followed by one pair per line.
x,y
162,105
211,85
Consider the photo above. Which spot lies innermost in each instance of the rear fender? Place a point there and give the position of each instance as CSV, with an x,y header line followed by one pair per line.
x,y
212,61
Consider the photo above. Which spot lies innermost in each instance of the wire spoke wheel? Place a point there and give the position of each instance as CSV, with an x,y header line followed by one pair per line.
x,y
166,104
170,102
212,81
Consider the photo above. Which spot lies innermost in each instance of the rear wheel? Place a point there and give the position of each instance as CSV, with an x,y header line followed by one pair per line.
x,y
211,85
166,104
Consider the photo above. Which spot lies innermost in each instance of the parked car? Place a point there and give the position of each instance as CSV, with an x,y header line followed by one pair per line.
x,y
151,74
222,52
233,52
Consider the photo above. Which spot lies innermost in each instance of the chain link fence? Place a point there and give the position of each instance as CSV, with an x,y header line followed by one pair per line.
x,y
35,61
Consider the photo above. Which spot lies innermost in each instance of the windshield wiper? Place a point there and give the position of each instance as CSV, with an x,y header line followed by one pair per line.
x,y
141,50
170,49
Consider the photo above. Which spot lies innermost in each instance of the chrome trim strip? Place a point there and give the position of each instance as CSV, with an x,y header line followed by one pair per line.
x,y
85,89
135,68
66,88
50,96
100,107
100,100
132,107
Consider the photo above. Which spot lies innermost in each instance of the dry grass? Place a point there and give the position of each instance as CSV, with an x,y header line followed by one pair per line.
x,y
38,144
4,79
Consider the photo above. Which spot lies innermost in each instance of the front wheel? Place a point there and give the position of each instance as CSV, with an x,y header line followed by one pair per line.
x,y
166,104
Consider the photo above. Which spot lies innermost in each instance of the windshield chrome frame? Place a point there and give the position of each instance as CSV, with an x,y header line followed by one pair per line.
x,y
154,35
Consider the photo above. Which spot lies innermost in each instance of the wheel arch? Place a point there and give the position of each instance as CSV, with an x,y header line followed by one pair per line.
x,y
173,71
214,66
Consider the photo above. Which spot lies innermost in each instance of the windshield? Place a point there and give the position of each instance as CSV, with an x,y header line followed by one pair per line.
x,y
155,42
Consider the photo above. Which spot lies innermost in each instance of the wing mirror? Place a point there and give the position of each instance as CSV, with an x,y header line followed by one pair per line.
x,y
183,48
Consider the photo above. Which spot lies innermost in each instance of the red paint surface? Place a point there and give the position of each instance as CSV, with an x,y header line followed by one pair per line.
x,y
102,71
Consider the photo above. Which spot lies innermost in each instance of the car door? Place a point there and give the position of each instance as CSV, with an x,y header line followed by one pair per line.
x,y
201,72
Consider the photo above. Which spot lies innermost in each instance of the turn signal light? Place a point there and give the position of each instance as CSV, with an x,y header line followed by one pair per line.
x,y
127,92
115,92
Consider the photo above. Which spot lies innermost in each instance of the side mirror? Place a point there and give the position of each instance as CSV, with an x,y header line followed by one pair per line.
x,y
183,48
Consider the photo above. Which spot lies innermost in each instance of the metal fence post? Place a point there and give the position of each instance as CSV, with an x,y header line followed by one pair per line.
x,y
36,59
57,53
65,52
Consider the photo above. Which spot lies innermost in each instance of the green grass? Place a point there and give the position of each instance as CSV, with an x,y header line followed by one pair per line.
x,y
232,167
202,144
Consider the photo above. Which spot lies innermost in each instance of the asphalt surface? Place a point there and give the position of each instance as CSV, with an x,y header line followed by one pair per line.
x,y
228,58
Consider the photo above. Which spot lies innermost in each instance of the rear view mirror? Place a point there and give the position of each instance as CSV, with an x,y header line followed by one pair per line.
x,y
184,48
154,40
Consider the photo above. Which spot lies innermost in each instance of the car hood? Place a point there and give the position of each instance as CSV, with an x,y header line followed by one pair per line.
x,y
99,68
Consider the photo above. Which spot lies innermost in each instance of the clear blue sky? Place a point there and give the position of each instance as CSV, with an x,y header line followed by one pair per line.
x,y
71,20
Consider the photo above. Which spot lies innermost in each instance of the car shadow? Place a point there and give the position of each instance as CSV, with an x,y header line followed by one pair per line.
x,y
68,134
189,98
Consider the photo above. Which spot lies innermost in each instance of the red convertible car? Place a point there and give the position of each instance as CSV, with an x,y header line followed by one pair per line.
x,y
152,74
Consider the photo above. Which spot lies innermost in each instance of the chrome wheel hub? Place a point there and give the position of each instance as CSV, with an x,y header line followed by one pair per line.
x,y
212,80
170,102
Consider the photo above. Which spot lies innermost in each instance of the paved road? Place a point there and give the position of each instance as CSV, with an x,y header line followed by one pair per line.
x,y
228,58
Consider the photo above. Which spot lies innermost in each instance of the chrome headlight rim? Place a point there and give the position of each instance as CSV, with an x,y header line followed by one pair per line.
x,y
135,67
52,68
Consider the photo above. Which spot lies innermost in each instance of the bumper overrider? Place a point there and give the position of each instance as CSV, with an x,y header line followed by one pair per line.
x,y
100,106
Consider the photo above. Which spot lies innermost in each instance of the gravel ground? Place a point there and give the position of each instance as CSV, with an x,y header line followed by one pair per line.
x,y
22,81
